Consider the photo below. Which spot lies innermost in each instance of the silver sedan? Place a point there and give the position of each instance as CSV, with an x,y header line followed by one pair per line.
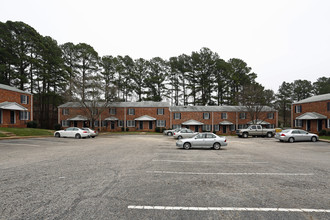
x,y
184,133
292,135
204,140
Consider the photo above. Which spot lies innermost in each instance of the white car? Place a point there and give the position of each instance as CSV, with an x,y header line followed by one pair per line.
x,y
204,140
171,132
184,133
92,133
292,135
72,132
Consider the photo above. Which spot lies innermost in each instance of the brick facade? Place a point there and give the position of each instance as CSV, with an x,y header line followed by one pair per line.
x,y
10,96
126,116
317,104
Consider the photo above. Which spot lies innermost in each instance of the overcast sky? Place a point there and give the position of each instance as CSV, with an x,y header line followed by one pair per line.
x,y
281,40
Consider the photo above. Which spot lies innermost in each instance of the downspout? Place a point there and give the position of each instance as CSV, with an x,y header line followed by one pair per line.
x,y
212,123
31,107
125,119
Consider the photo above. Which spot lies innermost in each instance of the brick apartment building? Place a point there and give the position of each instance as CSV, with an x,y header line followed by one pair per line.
x,y
16,107
146,116
312,114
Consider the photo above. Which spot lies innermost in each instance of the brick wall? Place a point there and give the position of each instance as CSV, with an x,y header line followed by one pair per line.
x,y
318,107
12,96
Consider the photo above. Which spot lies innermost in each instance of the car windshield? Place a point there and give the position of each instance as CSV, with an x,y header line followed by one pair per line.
x,y
286,131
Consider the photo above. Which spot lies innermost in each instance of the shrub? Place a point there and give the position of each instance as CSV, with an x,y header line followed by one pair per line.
x,y
57,126
157,129
323,133
127,129
328,133
32,124
122,129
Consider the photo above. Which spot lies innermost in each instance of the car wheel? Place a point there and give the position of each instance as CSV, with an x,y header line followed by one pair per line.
x,y
57,135
269,135
245,135
186,146
216,146
78,136
180,137
93,136
314,139
291,140
169,134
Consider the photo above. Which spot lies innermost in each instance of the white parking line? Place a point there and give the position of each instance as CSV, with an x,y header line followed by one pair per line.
x,y
232,174
240,209
191,161
32,145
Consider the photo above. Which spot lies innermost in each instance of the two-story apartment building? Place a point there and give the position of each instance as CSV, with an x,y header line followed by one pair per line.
x,y
16,107
312,114
147,116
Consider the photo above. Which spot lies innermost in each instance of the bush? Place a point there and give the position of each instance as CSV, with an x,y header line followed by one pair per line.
x,y
122,129
157,129
57,126
32,124
127,129
323,133
328,133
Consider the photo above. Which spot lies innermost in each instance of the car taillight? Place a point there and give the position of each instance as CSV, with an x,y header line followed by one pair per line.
x,y
173,133
225,140
94,131
282,135
84,131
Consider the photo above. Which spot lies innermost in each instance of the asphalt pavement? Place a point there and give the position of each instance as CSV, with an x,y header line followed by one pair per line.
x,y
147,177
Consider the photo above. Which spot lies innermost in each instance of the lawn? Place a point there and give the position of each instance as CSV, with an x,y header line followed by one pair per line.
x,y
3,135
28,131
325,137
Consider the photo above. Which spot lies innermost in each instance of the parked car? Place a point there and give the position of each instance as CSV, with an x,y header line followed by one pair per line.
x,y
171,132
72,132
184,133
255,130
92,133
204,140
292,135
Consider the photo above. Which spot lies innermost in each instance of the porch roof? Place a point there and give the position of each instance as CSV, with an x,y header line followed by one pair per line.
x,y
311,116
226,123
12,106
258,122
192,122
78,118
111,119
145,118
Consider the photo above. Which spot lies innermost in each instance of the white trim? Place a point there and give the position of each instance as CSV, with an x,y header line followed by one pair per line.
x,y
239,209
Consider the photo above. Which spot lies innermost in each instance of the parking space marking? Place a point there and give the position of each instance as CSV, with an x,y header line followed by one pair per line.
x,y
196,161
233,174
240,209
32,145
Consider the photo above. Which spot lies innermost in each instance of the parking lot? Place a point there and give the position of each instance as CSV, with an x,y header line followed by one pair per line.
x,y
147,177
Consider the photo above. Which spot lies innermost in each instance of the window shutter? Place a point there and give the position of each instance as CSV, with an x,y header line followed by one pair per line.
x,y
21,98
27,99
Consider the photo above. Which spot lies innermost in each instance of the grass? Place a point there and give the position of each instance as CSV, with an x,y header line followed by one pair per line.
x,y
3,135
28,131
133,132
325,137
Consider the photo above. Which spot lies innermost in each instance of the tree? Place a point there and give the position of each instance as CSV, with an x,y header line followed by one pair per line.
x,y
138,76
322,86
302,89
155,86
284,101
253,99
221,75
108,78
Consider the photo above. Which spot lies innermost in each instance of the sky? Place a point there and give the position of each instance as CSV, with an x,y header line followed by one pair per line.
x,y
281,40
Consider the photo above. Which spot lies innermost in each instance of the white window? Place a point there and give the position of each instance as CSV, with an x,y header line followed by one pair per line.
x,y
112,111
216,128
270,115
298,123
24,115
103,123
95,111
223,115
65,111
120,123
329,123
65,123
160,111
298,109
232,127
242,126
96,123
176,126
177,115
24,99
206,115
131,123
131,111
206,127
161,123
242,115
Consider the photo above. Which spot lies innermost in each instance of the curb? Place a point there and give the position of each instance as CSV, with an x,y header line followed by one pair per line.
x,y
23,137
